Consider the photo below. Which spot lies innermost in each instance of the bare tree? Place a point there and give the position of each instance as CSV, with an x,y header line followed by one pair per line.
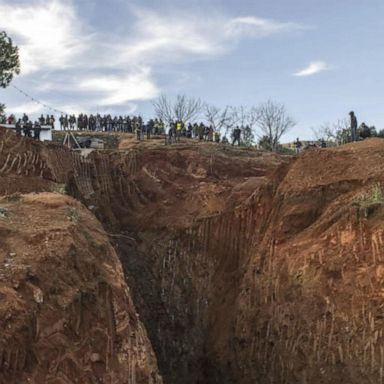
x,y
240,115
163,108
273,121
183,108
219,119
337,131
244,116
187,108
246,119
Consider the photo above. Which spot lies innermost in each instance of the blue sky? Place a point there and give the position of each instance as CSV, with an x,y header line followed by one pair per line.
x,y
321,58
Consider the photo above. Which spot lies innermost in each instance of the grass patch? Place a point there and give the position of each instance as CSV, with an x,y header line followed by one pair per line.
x,y
4,213
368,202
59,188
73,215
14,198
373,196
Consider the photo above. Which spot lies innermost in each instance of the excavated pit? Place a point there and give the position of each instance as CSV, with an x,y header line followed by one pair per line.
x,y
244,267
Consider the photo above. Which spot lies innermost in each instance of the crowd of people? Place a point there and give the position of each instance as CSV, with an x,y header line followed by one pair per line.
x,y
201,131
172,132
26,126
127,124
108,123
48,120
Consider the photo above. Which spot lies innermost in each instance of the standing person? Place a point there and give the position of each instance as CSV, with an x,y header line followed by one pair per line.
x,y
206,133
189,131
115,124
353,126
138,130
61,120
179,127
129,124
52,122
172,133
25,118
161,126
210,133
72,122
150,128
36,131
18,128
25,129
28,129
298,145
85,122
236,136
98,123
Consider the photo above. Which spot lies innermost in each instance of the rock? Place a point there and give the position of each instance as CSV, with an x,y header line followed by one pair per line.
x,y
38,295
95,358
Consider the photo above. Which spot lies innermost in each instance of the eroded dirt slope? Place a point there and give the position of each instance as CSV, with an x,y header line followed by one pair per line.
x,y
281,286
244,267
66,313
310,306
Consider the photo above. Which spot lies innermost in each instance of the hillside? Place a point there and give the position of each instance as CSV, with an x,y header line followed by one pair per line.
x,y
243,266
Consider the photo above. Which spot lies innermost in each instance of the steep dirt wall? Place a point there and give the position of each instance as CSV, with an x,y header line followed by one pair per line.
x,y
244,267
284,286
66,313
153,202
310,304
181,252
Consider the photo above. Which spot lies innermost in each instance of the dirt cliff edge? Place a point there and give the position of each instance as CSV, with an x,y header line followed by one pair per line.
x,y
66,313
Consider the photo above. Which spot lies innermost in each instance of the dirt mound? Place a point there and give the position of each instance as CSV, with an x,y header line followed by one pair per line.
x,y
360,162
66,314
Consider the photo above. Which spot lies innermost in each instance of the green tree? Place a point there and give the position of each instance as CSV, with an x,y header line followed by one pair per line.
x,y
9,60
265,143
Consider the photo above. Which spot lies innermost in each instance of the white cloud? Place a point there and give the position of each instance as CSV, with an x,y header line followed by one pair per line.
x,y
28,108
49,34
257,27
135,86
180,36
169,38
312,69
62,54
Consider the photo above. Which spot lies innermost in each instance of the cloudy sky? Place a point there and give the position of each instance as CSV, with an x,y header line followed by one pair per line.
x,y
321,58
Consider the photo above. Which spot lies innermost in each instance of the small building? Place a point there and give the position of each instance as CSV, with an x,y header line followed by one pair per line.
x,y
45,133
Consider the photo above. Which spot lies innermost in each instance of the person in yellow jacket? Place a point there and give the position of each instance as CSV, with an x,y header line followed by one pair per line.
x,y
179,127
